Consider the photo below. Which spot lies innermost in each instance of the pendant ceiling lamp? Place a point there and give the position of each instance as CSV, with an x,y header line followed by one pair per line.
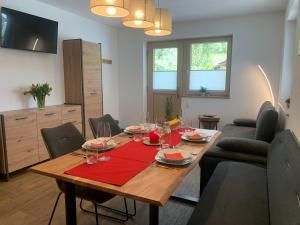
x,y
141,14
110,8
162,23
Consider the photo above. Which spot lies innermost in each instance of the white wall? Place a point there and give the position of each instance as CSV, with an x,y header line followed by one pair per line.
x,y
288,62
294,120
19,69
257,39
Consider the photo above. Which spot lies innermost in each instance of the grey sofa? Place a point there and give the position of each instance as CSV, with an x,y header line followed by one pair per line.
x,y
247,194
245,140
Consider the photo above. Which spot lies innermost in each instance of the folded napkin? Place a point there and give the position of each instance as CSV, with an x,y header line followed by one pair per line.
x,y
99,145
154,138
173,156
195,136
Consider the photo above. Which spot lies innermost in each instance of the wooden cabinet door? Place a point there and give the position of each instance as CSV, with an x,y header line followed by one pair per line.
x,y
21,139
47,118
92,83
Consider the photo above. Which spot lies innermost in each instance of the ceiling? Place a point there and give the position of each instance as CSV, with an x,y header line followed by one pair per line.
x,y
184,10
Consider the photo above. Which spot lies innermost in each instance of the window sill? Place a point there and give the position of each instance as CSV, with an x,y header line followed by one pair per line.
x,y
206,96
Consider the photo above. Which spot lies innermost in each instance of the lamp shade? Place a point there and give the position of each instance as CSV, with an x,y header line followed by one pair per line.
x,y
141,14
110,8
162,23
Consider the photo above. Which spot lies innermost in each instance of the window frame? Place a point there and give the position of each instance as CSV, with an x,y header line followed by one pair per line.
x,y
183,66
186,77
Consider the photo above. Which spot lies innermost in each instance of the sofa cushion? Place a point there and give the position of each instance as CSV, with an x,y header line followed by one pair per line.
x,y
284,180
231,130
266,125
236,194
264,106
245,122
244,145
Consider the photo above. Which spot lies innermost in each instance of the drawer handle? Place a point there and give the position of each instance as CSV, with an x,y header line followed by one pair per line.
x,y
50,114
22,118
93,93
73,110
29,150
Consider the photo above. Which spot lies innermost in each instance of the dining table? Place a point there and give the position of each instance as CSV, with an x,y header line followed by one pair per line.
x,y
154,185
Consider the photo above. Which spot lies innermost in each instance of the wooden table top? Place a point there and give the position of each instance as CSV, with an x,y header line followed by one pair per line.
x,y
153,185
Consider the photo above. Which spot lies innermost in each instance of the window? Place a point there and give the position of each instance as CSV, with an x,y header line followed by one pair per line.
x,y
165,69
208,63
189,65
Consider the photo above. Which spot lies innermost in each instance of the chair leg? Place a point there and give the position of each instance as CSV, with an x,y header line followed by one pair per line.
x,y
126,214
96,213
55,205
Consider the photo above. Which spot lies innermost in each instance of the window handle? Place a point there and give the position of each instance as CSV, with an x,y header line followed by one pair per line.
x,y
177,93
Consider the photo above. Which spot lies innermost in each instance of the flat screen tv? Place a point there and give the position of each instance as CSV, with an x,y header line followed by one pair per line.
x,y
27,32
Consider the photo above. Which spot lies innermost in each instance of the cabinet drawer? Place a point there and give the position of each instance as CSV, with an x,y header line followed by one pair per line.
x,y
20,119
43,152
90,84
89,134
93,97
93,110
77,123
15,145
20,132
70,112
22,154
49,115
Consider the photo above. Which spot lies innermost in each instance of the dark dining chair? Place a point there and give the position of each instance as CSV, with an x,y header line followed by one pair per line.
x,y
63,140
115,129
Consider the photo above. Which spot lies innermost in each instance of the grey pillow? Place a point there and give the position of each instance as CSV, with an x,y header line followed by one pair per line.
x,y
266,125
244,145
245,122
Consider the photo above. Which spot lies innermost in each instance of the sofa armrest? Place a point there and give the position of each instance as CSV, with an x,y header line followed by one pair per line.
x,y
245,122
244,145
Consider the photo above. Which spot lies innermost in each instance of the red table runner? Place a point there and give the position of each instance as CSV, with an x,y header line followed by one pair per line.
x,y
126,162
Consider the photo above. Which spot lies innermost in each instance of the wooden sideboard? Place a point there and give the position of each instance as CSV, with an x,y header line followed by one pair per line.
x,y
21,142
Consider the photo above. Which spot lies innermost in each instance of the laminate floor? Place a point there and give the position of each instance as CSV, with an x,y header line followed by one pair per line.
x,y
28,199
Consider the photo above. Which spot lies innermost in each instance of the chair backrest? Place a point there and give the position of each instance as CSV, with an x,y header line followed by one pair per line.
x,y
266,124
283,171
115,129
62,140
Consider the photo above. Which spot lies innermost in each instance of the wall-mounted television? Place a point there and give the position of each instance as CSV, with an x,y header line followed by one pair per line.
x,y
27,32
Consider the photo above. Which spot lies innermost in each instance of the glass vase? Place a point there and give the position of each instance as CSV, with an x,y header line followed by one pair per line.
x,y
41,102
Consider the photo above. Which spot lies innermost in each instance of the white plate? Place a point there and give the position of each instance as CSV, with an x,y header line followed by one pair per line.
x,y
186,155
106,148
182,163
205,139
138,132
146,129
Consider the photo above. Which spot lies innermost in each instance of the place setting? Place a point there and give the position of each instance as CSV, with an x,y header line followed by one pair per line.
x,y
198,135
95,148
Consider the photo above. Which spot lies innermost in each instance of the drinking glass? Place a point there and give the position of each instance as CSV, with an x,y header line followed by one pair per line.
x,y
91,157
104,131
138,137
168,133
147,123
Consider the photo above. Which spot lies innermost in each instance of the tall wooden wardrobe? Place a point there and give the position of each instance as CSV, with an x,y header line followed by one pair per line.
x,y
83,79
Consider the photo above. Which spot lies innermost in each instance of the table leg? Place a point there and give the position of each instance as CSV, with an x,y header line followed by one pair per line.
x,y
70,204
154,215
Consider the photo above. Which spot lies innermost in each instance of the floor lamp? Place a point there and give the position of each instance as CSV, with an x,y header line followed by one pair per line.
x,y
268,82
